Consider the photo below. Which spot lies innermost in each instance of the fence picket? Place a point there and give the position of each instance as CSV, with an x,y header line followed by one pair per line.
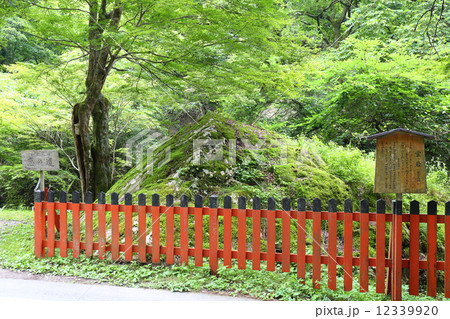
x,y
63,224
380,246
51,223
89,224
447,251
348,245
155,210
39,226
57,221
256,231
227,231
184,230
76,224
414,248
242,232
431,248
271,235
198,220
286,236
317,242
364,247
115,226
101,225
142,227
301,240
128,227
170,226
332,243
213,233
396,256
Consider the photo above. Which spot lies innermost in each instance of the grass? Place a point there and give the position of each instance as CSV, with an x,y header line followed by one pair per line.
x,y
26,216
16,253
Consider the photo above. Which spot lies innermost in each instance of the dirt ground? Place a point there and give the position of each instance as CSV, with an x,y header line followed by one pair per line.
x,y
6,223
9,274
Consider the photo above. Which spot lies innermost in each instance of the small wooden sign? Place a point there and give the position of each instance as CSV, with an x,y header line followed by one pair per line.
x,y
40,160
400,162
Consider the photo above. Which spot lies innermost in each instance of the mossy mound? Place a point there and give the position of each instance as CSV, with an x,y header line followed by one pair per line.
x,y
218,156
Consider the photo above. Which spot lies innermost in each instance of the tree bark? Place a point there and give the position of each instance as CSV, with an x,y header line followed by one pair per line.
x,y
92,148
92,153
100,149
80,131
337,33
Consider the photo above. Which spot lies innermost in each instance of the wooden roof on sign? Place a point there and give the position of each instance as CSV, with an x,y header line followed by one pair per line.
x,y
397,130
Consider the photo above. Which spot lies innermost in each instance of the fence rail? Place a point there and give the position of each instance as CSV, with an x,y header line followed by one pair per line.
x,y
298,240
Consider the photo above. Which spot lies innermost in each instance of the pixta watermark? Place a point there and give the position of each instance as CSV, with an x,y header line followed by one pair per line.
x,y
147,151
142,147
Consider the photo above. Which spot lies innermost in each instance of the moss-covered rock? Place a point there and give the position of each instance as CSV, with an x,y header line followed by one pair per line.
x,y
218,156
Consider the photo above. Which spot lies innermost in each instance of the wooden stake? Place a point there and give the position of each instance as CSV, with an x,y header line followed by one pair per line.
x,y
42,182
399,197
396,286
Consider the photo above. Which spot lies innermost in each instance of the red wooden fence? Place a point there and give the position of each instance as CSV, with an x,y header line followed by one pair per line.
x,y
282,237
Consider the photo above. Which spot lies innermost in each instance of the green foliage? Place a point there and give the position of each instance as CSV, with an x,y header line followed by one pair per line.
x,y
366,87
18,46
249,173
30,120
180,54
323,19
350,164
419,26
438,185
17,185
35,115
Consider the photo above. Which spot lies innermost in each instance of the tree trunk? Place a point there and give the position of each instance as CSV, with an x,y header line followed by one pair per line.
x,y
93,155
337,33
80,131
337,22
100,146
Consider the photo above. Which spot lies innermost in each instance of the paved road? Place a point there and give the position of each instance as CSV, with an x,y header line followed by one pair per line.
x,y
25,286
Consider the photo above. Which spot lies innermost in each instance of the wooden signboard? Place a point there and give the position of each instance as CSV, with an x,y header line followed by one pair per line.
x,y
399,169
400,162
40,160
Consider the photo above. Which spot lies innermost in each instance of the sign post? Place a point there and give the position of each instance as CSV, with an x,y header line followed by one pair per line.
x,y
42,181
40,160
399,169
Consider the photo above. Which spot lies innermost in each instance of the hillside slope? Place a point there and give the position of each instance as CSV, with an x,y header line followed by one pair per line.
x,y
218,156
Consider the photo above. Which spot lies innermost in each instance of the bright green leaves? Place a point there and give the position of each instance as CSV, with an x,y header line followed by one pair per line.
x,y
18,46
367,86
418,25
